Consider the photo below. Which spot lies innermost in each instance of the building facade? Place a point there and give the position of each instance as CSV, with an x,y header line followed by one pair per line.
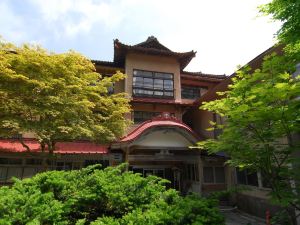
x,y
162,96
166,122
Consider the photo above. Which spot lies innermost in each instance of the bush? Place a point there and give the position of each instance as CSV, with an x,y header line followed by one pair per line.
x,y
109,196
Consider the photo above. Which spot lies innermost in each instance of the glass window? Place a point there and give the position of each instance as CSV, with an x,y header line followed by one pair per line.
x,y
152,84
34,161
246,177
158,93
158,84
14,172
10,161
215,175
241,176
220,174
192,172
265,181
142,116
168,84
148,83
163,75
3,173
252,179
208,174
190,92
29,172
168,93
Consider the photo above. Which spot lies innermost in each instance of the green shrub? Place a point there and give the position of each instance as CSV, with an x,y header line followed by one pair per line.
x,y
109,196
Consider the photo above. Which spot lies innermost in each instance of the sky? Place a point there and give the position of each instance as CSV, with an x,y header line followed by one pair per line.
x,y
225,34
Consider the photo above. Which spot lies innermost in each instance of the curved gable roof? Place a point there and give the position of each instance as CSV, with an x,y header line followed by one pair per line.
x,y
157,122
151,47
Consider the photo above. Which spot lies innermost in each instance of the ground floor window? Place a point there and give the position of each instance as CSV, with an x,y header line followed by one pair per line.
x,y
192,172
214,175
160,172
246,177
257,179
6,173
27,167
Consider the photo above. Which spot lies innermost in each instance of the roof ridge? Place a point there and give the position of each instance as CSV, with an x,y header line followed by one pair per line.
x,y
204,74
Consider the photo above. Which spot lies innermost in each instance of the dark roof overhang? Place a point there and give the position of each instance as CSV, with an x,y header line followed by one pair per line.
x,y
150,47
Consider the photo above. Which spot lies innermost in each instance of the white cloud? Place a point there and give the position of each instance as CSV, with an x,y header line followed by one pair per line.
x,y
72,17
224,33
11,24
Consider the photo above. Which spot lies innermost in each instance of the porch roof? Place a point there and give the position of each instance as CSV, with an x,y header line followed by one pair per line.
x,y
79,147
160,121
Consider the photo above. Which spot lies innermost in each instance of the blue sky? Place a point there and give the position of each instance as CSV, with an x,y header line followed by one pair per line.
x,y
224,33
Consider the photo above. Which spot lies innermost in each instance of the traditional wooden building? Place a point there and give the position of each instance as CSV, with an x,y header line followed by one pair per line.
x,y
162,96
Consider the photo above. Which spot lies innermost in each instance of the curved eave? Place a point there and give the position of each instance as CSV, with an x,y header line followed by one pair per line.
x,y
120,51
154,123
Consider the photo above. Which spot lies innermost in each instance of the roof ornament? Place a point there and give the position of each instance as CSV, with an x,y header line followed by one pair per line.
x,y
151,38
166,115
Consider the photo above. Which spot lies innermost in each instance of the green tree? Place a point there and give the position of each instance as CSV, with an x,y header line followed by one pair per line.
x,y
287,12
94,196
262,108
57,97
262,112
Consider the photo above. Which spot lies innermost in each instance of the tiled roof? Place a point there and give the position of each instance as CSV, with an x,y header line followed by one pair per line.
x,y
200,74
106,63
14,146
157,122
253,64
152,47
152,42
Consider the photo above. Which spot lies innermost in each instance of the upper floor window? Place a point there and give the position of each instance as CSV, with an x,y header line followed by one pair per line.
x,y
153,84
142,116
190,92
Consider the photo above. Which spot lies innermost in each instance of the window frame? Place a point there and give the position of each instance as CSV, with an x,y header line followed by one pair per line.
x,y
193,88
214,175
246,173
152,89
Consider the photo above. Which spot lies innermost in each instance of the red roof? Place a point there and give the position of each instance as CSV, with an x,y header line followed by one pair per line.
x,y
10,145
156,122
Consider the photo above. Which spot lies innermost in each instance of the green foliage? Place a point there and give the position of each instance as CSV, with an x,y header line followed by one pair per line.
x,y
261,110
287,12
109,196
57,97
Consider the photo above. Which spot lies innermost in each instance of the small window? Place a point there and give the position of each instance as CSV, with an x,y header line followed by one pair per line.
x,y
192,172
208,174
29,172
34,161
246,177
220,174
214,175
190,92
14,172
141,116
10,161
3,173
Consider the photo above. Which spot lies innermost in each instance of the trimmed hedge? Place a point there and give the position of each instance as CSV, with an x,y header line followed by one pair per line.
x,y
95,196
